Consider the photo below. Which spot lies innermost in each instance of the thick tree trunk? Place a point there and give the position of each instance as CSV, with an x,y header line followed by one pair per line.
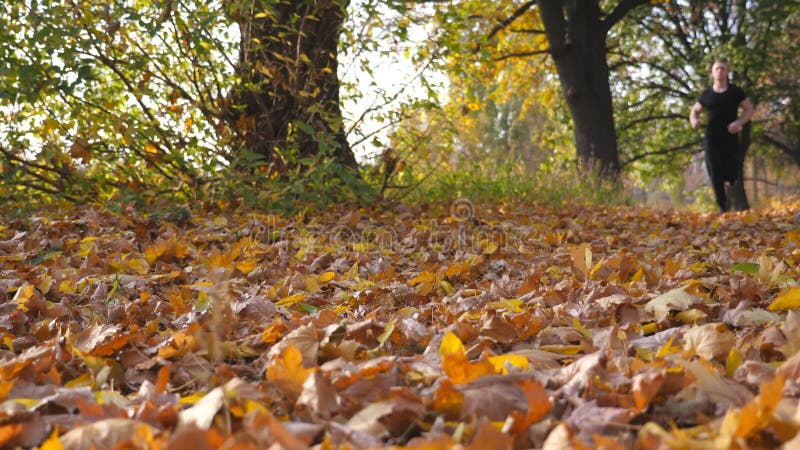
x,y
286,101
577,38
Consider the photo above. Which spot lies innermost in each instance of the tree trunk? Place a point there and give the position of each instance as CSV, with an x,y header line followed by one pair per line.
x,y
577,39
285,105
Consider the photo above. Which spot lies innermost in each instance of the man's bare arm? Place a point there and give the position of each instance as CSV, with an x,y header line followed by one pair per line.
x,y
694,115
747,112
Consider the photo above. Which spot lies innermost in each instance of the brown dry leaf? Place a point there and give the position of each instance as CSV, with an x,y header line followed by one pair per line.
x,y
718,388
437,443
790,369
602,442
21,428
107,335
487,436
572,379
494,401
319,395
791,331
589,418
368,420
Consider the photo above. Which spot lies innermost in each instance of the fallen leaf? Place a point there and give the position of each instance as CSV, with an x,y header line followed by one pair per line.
x,y
287,371
718,388
711,341
676,299
368,419
562,437
487,436
319,395
455,363
201,414
106,433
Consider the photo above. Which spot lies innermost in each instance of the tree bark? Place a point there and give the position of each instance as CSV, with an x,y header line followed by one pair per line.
x,y
285,105
577,38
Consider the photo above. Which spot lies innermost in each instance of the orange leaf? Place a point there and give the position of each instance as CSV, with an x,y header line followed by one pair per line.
x,y
757,414
456,269
460,370
9,432
181,344
287,371
455,363
538,405
5,388
447,399
645,388
423,277
272,333
163,379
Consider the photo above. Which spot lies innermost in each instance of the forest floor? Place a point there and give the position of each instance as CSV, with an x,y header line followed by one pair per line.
x,y
482,326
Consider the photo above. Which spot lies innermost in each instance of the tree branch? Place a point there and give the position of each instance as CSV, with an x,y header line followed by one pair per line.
x,y
622,9
521,54
663,151
510,19
632,123
792,152
527,30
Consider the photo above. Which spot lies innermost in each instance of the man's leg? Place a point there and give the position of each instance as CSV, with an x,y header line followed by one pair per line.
x,y
717,180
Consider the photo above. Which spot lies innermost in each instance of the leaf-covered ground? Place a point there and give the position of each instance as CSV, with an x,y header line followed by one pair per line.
x,y
484,327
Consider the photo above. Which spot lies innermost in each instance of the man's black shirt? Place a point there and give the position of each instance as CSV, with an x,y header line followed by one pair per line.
x,y
722,109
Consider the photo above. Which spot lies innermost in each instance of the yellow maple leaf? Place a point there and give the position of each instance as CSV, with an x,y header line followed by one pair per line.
x,y
788,299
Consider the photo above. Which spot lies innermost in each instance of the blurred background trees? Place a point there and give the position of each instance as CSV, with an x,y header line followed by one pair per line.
x,y
253,100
